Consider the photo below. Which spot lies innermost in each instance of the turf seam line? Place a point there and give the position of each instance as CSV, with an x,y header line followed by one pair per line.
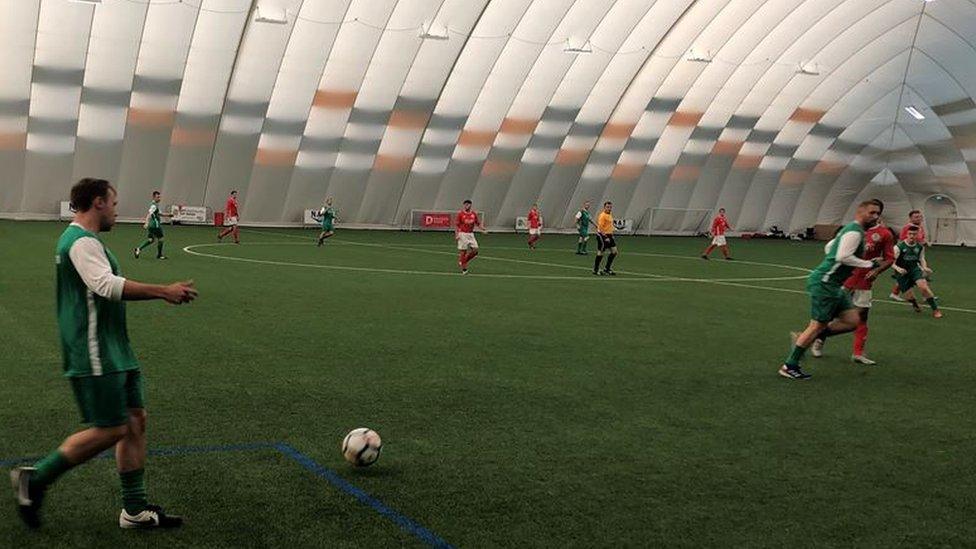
x,y
166,451
342,484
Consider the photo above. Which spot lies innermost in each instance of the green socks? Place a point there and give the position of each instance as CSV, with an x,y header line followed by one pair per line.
x,y
145,245
159,249
932,303
795,355
50,468
134,498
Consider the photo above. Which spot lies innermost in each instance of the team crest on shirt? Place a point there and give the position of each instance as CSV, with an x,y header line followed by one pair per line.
x,y
876,237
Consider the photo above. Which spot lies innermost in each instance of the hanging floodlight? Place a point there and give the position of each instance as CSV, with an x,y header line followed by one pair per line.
x,y
585,47
916,114
812,69
428,31
92,2
269,12
699,56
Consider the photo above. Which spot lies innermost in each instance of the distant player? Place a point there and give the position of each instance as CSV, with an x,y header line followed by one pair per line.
x,y
535,226
327,217
832,311
915,219
605,241
154,227
719,225
231,219
879,242
583,222
911,270
465,224
99,362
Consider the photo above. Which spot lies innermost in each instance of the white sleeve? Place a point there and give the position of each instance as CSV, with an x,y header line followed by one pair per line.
x,y
846,248
578,216
897,251
88,257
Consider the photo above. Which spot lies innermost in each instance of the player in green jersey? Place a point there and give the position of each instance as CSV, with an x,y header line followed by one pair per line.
x,y
911,270
583,222
832,311
99,362
327,217
154,227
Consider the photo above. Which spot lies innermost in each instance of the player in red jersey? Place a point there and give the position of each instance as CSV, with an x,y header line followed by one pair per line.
x,y
719,225
879,241
467,221
535,226
231,219
915,219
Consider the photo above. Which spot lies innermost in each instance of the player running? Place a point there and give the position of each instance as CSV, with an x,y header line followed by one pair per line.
x,y
535,226
327,217
465,224
912,270
719,225
583,222
605,242
879,241
915,219
99,362
231,219
154,227
832,312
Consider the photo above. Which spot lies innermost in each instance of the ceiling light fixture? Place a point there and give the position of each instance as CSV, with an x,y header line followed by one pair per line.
x,y
429,32
273,14
812,69
916,114
585,47
699,57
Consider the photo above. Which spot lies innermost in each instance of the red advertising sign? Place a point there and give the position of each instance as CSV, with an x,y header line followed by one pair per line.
x,y
435,220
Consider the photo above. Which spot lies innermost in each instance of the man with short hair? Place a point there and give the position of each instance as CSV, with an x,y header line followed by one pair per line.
x,y
719,225
465,224
327,217
154,227
912,269
231,219
915,219
583,222
99,362
605,241
832,311
535,226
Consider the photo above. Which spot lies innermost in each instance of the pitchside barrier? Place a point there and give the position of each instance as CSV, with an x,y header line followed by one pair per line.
x,y
437,220
191,215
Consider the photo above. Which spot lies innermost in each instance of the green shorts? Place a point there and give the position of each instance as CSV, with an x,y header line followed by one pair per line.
x,y
827,304
155,232
584,233
908,280
105,400
327,227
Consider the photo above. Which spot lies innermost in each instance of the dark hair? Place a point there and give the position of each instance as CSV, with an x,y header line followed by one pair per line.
x,y
913,212
608,202
721,209
234,191
85,191
912,228
155,193
466,202
872,202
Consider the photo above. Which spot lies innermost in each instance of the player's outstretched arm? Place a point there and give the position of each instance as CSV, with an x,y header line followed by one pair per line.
x,y
176,293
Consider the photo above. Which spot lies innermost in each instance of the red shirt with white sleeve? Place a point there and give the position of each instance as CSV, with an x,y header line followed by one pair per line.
x,y
534,220
466,221
230,209
878,242
719,225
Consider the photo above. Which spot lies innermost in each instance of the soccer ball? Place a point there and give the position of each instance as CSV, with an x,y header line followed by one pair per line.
x,y
362,447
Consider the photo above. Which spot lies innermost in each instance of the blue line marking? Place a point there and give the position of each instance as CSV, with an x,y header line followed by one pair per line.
x,y
403,522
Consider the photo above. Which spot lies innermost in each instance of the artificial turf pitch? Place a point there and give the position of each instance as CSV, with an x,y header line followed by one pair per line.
x,y
539,406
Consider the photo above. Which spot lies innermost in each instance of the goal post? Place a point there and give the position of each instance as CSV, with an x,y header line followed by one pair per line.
x,y
437,220
955,231
673,221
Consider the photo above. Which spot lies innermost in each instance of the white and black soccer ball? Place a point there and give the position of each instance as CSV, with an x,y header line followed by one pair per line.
x,y
362,447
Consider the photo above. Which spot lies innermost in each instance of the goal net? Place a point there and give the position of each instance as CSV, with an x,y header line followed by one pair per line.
x,y
437,220
955,231
673,221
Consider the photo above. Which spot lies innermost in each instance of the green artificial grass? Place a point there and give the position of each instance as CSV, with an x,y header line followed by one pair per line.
x,y
537,406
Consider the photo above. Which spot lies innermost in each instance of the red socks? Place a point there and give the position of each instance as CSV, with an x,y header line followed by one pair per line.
x,y
860,338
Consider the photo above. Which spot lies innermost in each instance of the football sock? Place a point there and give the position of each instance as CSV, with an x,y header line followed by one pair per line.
x,y
134,498
159,248
50,468
462,259
596,263
860,338
145,244
932,303
708,250
610,260
725,251
795,355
